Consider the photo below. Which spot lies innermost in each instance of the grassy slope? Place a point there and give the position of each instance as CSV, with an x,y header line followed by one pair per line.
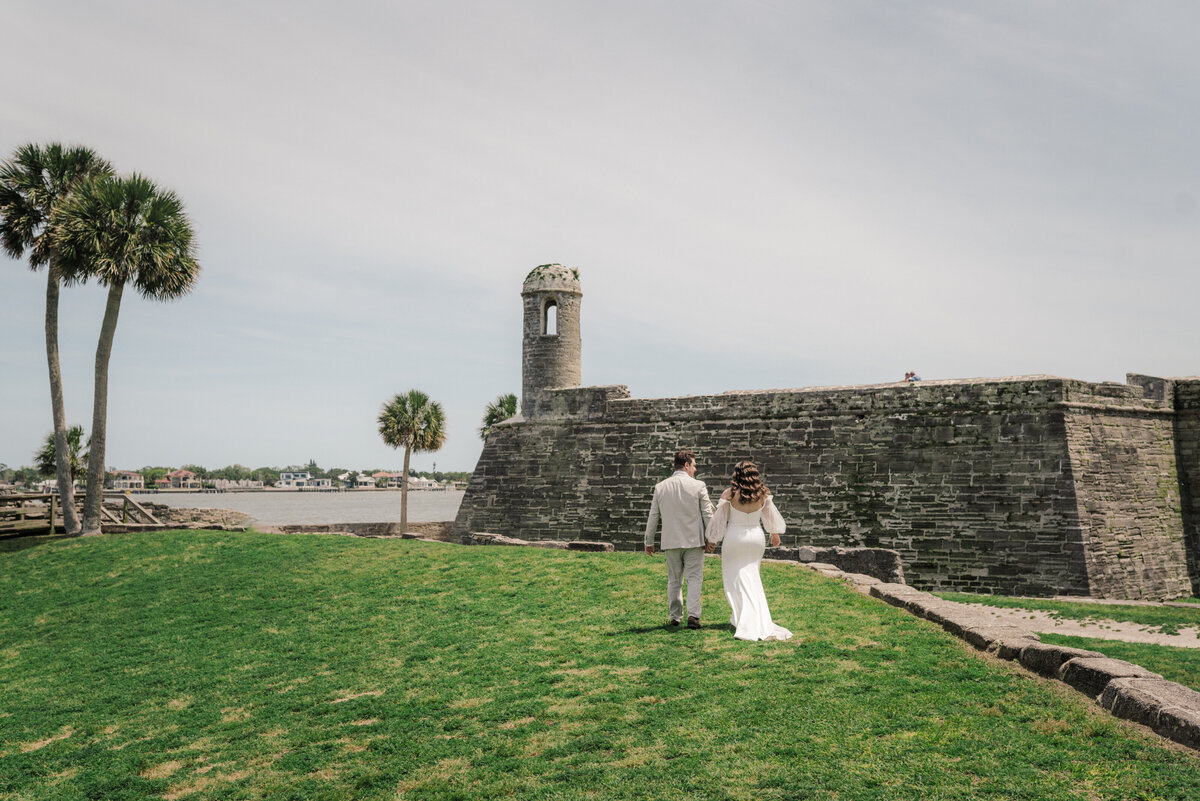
x,y
234,666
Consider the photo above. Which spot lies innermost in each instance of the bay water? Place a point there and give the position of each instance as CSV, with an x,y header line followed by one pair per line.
x,y
292,508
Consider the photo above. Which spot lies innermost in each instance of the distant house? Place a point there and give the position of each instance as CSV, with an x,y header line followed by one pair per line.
x,y
361,480
127,480
392,480
183,479
294,479
395,481
162,483
416,482
244,483
50,485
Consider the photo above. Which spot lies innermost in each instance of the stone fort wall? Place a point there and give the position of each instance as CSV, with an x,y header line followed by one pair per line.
x,y
1033,485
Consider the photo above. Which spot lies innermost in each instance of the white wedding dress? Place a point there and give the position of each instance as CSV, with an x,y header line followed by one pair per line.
x,y
741,556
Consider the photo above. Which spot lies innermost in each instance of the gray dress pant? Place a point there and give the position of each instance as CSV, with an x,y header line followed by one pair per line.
x,y
684,563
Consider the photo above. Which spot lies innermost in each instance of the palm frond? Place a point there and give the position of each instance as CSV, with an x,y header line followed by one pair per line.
x,y
127,230
32,184
413,420
499,410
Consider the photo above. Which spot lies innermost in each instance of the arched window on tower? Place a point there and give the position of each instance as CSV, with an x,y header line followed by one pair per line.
x,y
550,318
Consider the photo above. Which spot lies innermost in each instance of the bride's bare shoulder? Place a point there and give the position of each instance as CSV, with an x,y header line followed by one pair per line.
x,y
727,494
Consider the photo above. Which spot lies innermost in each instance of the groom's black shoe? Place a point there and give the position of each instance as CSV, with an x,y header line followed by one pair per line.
x,y
672,622
693,622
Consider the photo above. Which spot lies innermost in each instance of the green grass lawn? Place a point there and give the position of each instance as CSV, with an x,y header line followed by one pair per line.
x,y
237,666
1164,619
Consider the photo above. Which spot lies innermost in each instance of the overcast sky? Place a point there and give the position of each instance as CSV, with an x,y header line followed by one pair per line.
x,y
756,194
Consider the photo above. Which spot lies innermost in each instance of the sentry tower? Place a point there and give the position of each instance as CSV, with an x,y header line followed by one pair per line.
x,y
550,346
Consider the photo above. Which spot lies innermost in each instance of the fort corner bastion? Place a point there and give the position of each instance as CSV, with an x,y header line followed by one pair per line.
x,y
1028,485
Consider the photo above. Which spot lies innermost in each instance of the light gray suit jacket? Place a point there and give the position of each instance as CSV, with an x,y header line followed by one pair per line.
x,y
683,505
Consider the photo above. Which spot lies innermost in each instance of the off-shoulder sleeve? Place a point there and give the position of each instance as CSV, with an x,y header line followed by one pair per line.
x,y
771,519
718,523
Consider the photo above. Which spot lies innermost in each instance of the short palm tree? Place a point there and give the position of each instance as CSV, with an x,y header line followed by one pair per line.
x,y
499,410
414,422
32,184
46,459
119,231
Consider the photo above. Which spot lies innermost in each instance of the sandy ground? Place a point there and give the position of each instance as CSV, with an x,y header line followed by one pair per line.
x,y
1042,623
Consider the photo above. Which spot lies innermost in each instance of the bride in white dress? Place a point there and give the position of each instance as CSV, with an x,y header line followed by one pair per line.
x,y
745,510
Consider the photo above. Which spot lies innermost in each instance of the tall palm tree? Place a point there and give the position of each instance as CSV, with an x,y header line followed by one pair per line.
x,y
46,459
414,422
32,184
499,410
119,231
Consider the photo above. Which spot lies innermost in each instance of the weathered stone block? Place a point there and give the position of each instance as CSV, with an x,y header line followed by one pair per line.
x,y
983,637
938,611
882,563
1046,659
782,554
1090,675
590,545
1011,647
897,594
1180,724
959,622
1141,700
487,538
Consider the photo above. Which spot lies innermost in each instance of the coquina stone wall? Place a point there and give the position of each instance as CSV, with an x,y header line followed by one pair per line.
x,y
1126,483
1185,396
1033,485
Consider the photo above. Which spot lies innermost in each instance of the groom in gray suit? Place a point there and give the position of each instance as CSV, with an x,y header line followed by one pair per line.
x,y
683,505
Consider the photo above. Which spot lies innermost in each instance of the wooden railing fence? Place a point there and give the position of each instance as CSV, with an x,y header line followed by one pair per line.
x,y
41,513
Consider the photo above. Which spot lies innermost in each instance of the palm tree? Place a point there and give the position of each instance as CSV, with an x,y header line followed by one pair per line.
x,y
416,423
32,185
499,410
119,231
46,459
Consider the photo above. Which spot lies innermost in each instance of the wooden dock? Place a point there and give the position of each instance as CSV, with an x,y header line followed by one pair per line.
x,y
41,513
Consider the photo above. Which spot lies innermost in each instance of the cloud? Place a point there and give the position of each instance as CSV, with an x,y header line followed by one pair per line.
x,y
757,194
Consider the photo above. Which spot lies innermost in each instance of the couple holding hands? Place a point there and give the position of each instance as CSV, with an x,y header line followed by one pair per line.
x,y
691,527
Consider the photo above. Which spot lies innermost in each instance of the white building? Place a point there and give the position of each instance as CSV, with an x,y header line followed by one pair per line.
x,y
361,480
127,480
245,483
294,479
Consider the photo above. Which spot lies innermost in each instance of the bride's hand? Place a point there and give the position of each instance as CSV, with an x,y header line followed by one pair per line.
x,y
775,540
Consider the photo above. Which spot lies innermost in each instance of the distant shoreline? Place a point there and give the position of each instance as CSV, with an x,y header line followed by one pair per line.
x,y
309,507
181,491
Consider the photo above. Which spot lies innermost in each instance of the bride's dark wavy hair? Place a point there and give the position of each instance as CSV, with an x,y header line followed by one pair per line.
x,y
747,486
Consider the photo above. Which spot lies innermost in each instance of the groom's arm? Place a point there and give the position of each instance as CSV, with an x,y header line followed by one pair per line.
x,y
706,513
652,523
706,507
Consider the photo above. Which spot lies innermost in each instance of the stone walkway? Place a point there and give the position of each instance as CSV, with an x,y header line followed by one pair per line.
x,y
1044,623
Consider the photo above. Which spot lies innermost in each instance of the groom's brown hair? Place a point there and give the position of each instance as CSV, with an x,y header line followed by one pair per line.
x,y
682,458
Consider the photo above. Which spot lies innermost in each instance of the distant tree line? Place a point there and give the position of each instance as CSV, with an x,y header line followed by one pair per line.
x,y
45,468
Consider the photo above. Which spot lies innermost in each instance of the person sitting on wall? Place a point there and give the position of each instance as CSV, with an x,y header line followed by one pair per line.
x,y
681,502
912,377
